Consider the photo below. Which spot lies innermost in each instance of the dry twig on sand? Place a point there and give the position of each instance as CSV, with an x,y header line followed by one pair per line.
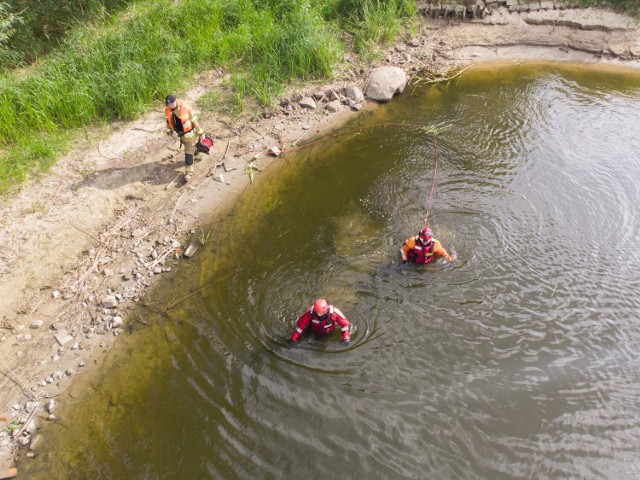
x,y
221,163
427,77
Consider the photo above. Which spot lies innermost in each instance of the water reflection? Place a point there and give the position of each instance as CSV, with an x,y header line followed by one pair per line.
x,y
519,361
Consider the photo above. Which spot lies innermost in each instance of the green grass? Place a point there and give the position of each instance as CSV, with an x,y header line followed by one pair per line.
x,y
117,66
43,24
371,22
630,7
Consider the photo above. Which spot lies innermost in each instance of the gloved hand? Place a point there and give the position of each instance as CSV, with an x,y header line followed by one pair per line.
x,y
404,262
346,343
291,343
169,132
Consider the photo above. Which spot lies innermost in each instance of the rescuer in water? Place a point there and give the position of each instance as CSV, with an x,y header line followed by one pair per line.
x,y
423,248
323,318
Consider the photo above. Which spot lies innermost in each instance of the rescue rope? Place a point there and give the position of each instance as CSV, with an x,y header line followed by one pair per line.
x,y
434,130
433,183
357,129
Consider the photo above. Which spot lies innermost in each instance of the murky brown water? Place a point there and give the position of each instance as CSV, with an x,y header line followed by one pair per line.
x,y
519,361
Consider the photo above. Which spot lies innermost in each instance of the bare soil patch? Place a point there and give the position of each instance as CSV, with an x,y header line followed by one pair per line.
x,y
82,244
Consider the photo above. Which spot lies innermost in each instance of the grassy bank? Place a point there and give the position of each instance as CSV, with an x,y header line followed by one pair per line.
x,y
117,66
630,7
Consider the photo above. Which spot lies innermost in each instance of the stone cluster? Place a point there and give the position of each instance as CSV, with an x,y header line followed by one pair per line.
x,y
478,9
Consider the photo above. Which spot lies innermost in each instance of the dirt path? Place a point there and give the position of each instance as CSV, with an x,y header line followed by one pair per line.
x,y
82,244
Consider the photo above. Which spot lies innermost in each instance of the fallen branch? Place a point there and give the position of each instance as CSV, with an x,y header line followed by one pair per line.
x,y
299,138
171,182
18,381
212,170
167,314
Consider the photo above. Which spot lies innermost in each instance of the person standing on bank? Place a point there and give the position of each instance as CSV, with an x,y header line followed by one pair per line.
x,y
323,318
423,248
182,120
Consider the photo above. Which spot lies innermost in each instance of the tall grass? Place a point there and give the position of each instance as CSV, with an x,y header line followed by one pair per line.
x,y
630,7
44,22
370,21
116,68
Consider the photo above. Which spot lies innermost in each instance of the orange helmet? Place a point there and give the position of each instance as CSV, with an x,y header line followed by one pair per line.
x,y
425,236
321,307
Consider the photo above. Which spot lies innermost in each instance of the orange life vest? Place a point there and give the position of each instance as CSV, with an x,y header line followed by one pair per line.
x,y
184,115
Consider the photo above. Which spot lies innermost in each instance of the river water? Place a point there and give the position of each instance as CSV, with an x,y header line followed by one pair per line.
x,y
519,360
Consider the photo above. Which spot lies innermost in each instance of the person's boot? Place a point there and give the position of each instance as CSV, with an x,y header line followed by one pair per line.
x,y
188,173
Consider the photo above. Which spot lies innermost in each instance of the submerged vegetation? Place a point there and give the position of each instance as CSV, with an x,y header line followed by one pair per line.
x,y
108,60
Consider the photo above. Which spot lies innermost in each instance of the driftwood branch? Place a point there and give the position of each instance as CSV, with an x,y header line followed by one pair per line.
x,y
221,163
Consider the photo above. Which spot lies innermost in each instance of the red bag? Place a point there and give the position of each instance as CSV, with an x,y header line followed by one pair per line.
x,y
205,144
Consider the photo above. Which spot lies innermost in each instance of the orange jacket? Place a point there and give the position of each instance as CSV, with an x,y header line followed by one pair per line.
x,y
410,243
187,118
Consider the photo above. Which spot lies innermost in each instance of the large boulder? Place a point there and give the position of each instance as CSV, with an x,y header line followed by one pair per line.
x,y
385,82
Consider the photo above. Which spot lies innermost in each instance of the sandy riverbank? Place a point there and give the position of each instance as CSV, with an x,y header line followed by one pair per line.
x,y
84,243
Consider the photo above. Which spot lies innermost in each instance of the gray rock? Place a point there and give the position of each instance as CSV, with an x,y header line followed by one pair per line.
x,y
36,441
63,337
190,251
51,406
332,95
333,106
30,426
109,301
308,102
37,324
385,82
354,93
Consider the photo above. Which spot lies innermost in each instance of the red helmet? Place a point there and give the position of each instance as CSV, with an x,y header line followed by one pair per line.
x,y
321,307
425,236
